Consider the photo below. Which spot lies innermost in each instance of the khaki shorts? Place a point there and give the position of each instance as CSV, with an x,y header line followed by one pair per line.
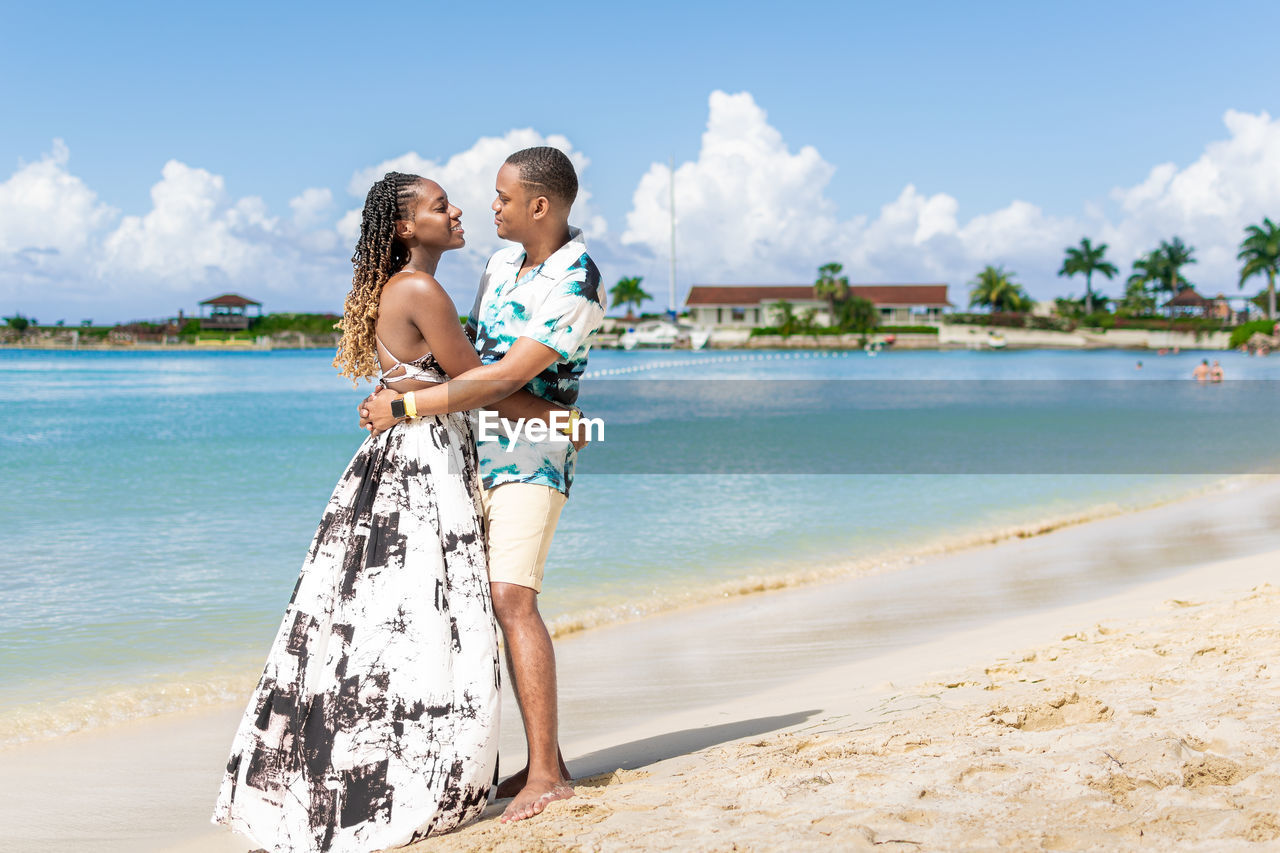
x,y
521,520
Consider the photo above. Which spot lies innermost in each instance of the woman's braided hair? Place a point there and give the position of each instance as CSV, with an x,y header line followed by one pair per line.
x,y
379,255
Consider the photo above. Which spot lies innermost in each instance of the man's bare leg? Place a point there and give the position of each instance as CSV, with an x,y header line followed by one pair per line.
x,y
511,786
532,664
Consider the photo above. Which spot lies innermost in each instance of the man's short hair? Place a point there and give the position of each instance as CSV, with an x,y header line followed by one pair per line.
x,y
548,170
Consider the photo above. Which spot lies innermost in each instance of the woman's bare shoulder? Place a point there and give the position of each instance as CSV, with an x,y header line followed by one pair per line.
x,y
416,292
412,281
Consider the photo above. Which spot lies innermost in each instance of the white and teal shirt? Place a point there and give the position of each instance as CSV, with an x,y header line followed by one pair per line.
x,y
560,304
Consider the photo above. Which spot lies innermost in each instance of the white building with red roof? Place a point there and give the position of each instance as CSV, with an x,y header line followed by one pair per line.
x,y
750,305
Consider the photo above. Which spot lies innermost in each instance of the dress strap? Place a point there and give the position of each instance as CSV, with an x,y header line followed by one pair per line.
x,y
416,369
387,350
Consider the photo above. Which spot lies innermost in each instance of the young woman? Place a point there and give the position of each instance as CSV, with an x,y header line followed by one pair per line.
x,y
375,721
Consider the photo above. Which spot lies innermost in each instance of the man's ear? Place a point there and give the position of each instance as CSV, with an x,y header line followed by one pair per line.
x,y
541,207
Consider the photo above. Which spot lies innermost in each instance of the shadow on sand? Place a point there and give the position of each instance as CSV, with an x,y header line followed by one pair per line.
x,y
651,750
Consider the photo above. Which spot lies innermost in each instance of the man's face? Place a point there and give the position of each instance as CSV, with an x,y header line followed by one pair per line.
x,y
512,207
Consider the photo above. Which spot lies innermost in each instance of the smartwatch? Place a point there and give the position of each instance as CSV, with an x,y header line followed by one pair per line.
x,y
397,408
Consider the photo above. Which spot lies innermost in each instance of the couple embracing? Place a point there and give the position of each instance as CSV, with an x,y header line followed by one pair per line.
x,y
375,722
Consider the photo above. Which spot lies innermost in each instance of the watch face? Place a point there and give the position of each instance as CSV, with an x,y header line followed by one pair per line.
x,y
397,408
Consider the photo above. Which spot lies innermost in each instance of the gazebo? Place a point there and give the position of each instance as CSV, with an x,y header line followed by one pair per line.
x,y
228,312
1188,303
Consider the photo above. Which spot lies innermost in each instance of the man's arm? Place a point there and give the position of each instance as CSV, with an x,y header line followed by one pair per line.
x,y
560,326
477,388
422,302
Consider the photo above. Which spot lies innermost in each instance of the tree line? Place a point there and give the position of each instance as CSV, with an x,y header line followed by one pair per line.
x,y
1155,273
1158,272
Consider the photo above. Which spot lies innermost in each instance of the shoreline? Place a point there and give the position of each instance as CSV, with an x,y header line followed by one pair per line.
x,y
890,560
739,668
904,343
193,691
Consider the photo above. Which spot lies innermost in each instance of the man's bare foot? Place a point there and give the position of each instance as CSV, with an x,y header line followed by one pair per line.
x,y
512,785
535,797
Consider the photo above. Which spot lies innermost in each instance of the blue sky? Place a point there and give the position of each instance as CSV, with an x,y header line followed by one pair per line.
x,y
987,104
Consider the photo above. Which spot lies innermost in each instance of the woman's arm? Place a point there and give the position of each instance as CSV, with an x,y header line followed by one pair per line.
x,y
428,307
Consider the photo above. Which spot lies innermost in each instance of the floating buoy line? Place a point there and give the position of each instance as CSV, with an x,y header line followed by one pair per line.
x,y
720,359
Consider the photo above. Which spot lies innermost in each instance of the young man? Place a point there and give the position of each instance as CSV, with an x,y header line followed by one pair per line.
x,y
538,305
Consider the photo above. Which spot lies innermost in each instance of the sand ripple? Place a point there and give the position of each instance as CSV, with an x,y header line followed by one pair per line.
x,y
1157,734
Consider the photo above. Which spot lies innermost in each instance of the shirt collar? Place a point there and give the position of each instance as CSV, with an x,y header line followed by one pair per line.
x,y
559,261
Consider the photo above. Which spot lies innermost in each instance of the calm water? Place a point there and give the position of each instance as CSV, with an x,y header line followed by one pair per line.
x,y
157,507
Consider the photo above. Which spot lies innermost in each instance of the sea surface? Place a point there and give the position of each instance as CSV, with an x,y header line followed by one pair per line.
x,y
156,507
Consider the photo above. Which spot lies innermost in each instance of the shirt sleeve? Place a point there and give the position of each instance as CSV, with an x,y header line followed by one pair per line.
x,y
568,317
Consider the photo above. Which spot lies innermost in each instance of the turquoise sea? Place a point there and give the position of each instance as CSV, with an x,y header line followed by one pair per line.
x,y
157,506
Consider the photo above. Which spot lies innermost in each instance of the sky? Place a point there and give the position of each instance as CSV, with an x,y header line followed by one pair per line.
x,y
155,155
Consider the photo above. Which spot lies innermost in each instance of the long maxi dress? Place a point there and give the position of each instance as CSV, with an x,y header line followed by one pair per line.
x,y
375,721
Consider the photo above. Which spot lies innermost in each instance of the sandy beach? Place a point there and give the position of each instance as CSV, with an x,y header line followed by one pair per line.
x,y
1152,731
1105,685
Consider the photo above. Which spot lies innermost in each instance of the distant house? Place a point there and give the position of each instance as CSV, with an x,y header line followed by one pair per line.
x,y
753,304
1188,303
228,312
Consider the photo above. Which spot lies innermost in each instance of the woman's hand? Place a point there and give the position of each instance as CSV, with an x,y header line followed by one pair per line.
x,y
375,411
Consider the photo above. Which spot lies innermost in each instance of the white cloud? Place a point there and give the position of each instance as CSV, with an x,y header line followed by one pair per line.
x,y
1235,182
746,208
311,207
749,209
59,244
193,235
45,207
62,251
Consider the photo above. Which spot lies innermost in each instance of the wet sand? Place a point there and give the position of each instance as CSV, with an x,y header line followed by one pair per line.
x,y
682,696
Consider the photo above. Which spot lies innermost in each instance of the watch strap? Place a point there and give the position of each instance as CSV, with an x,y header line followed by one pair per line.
x,y
575,414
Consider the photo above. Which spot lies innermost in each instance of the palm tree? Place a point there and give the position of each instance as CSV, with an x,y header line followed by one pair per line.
x,y
1087,259
832,286
1146,270
856,315
629,292
1137,300
1260,251
808,323
994,288
787,321
1174,255
1068,307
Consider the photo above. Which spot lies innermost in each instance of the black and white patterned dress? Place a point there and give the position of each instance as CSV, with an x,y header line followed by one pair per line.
x,y
376,719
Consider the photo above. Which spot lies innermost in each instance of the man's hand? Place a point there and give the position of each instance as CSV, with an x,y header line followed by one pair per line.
x,y
375,411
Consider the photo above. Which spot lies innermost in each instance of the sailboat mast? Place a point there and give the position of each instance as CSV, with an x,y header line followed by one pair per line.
x,y
671,278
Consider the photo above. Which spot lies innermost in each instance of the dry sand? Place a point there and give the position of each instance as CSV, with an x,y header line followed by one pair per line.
x,y
1144,733
891,708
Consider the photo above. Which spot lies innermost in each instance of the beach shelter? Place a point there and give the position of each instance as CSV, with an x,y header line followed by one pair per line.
x,y
1188,303
228,312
